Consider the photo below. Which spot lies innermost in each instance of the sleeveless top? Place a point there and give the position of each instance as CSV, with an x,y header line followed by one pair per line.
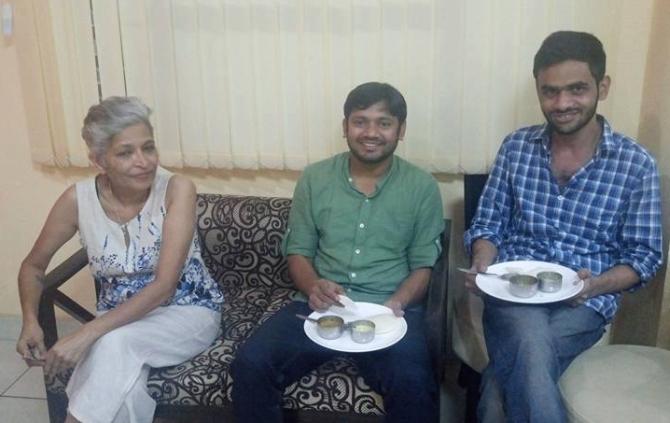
x,y
121,270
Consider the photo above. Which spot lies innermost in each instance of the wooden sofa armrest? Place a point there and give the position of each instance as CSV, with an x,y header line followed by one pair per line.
x,y
52,297
436,306
64,271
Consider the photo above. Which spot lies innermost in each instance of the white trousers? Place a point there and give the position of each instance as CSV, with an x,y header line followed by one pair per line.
x,y
109,382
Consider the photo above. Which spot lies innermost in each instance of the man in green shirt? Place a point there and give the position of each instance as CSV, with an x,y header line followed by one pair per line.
x,y
364,224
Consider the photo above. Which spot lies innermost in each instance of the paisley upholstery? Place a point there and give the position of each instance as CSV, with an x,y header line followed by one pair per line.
x,y
241,239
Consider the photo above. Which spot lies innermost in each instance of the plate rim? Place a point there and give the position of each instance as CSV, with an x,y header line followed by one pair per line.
x,y
534,299
394,337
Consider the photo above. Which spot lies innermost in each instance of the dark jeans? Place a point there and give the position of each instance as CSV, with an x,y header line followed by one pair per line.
x,y
530,346
279,353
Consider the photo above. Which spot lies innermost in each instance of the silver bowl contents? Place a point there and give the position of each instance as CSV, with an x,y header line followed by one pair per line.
x,y
523,286
362,331
550,281
330,327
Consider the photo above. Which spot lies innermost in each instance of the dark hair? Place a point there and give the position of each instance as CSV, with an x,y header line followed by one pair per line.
x,y
369,93
571,45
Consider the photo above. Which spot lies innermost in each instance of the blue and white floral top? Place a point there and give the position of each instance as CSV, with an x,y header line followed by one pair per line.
x,y
122,270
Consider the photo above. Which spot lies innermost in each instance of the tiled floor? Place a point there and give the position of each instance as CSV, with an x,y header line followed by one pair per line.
x,y
22,397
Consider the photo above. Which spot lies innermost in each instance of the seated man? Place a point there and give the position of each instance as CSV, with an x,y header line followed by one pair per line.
x,y
572,192
364,223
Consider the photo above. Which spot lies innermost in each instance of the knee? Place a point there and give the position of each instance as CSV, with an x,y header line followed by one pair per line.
x,y
248,364
536,364
531,346
119,341
412,379
533,357
538,350
519,347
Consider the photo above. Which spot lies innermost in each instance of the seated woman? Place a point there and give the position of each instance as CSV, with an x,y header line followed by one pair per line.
x,y
158,306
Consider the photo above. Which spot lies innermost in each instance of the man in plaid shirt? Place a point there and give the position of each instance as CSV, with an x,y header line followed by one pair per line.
x,y
572,192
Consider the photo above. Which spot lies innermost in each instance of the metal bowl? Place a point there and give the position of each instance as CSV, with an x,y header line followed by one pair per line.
x,y
362,331
330,327
550,281
523,286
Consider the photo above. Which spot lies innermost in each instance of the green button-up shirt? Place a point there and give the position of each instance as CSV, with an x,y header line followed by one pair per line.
x,y
367,244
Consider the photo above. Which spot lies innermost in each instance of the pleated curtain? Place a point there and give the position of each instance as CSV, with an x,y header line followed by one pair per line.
x,y
259,84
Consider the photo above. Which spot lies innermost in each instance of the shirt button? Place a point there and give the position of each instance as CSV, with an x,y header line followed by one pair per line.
x,y
349,179
362,225
353,274
357,251
560,198
367,200
348,289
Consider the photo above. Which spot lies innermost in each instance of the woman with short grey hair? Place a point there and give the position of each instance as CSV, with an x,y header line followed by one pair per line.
x,y
157,305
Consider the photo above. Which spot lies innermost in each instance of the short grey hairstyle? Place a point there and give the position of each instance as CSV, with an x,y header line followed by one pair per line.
x,y
107,119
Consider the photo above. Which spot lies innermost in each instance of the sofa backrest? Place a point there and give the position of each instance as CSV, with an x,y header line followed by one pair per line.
x,y
241,240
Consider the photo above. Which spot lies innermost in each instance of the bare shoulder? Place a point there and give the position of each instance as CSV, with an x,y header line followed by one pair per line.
x,y
61,224
66,205
180,189
70,193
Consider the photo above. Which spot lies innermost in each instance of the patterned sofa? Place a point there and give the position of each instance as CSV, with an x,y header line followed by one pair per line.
x,y
241,238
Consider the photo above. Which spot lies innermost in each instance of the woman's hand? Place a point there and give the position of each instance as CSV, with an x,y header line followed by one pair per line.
x,y
31,344
68,351
60,226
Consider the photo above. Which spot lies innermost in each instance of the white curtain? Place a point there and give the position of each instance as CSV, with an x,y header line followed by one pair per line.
x,y
253,84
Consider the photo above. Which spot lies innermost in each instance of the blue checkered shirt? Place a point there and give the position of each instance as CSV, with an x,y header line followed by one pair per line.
x,y
609,213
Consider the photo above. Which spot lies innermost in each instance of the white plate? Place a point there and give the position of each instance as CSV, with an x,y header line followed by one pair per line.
x,y
499,288
344,342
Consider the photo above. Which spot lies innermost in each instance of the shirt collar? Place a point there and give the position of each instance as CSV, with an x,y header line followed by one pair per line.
x,y
380,183
608,141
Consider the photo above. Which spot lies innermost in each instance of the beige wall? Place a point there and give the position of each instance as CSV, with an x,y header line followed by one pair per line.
x,y
26,190
655,134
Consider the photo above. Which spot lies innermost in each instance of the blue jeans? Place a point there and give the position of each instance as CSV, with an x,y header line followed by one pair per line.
x,y
279,353
529,347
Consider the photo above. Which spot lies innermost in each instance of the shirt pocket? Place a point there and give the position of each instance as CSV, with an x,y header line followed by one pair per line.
x,y
601,224
334,227
394,234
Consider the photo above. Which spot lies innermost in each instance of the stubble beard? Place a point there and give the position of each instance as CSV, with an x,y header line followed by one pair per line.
x,y
578,125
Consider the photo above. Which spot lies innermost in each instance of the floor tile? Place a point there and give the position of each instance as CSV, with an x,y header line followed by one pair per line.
x,y
10,327
21,410
30,385
66,326
11,365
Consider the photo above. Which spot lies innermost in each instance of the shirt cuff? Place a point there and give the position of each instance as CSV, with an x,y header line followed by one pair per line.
x,y
424,256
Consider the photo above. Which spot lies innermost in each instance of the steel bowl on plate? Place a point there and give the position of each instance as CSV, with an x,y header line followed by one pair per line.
x,y
523,286
330,327
550,281
362,331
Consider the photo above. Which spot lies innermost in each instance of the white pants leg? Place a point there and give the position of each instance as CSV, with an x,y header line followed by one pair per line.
x,y
109,383
138,405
